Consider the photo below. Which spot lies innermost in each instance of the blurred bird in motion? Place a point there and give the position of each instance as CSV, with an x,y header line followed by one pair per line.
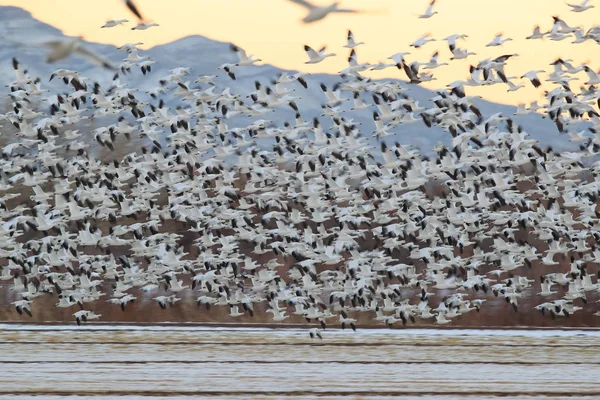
x,y
63,48
132,7
317,13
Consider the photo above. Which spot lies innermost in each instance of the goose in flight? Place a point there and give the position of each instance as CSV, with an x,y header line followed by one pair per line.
x,y
429,12
244,59
581,7
537,34
532,76
114,22
316,57
142,26
422,41
350,42
317,13
314,333
63,48
498,41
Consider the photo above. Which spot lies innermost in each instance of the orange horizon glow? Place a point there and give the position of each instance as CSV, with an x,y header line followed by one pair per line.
x,y
272,30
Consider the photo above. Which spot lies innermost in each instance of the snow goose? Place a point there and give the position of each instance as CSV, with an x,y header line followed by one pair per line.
x,y
243,58
433,62
114,22
315,333
355,66
142,26
422,41
581,7
429,12
460,54
316,57
532,76
350,42
594,78
398,58
23,306
537,34
546,286
63,48
85,315
498,40
452,40
346,321
512,87
317,13
440,318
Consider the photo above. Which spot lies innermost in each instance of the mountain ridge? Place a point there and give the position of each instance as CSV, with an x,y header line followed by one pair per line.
x,y
204,55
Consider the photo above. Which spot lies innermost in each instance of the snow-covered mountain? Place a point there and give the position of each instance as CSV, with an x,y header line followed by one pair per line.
x,y
204,55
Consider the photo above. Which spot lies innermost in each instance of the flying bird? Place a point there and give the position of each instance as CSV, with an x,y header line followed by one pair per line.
x,y
581,7
316,57
142,26
350,42
63,48
317,13
114,22
429,12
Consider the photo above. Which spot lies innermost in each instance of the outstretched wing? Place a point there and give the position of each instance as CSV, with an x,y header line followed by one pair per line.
x,y
94,57
304,3
311,53
133,9
241,53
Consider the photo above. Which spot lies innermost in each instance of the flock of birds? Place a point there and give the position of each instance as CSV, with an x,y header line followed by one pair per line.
x,y
321,225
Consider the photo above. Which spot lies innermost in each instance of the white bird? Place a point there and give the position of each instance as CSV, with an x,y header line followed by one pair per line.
x,y
429,12
315,333
350,42
422,41
142,26
433,62
498,40
63,48
532,76
114,22
537,34
581,7
316,57
512,87
317,13
243,58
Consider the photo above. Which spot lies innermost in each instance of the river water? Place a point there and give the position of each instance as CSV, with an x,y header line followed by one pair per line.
x,y
143,362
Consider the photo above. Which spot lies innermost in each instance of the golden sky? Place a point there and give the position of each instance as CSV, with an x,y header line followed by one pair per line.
x,y
271,30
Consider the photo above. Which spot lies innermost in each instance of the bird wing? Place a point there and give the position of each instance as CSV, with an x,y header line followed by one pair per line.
x,y
304,3
94,57
311,53
430,8
53,44
352,59
241,53
344,10
133,9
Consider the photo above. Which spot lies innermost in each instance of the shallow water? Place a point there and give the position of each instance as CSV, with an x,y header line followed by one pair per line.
x,y
48,362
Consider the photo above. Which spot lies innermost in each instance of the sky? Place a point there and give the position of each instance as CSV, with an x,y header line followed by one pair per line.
x,y
272,31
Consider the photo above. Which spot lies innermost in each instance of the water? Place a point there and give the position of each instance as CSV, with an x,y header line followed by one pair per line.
x,y
134,362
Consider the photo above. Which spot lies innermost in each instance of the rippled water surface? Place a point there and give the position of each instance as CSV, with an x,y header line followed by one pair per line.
x,y
49,362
